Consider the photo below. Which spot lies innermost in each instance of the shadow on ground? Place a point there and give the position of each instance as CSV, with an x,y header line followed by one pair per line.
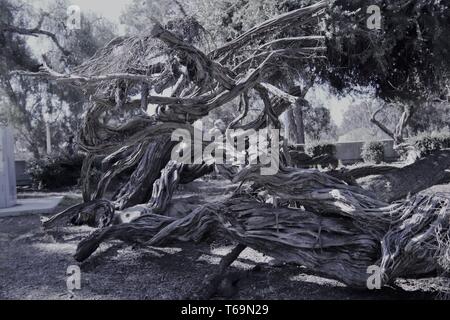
x,y
33,265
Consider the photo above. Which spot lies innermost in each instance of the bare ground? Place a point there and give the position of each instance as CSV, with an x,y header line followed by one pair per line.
x,y
33,265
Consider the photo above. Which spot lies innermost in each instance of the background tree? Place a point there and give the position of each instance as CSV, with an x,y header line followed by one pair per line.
x,y
405,61
319,125
357,125
33,106
433,116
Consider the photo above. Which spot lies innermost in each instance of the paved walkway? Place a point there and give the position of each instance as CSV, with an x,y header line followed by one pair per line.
x,y
32,206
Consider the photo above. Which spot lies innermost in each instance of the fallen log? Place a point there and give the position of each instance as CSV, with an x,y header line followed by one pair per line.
x,y
347,232
334,246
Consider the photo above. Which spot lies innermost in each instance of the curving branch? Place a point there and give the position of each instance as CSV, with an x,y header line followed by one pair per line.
x,y
307,14
48,74
290,40
397,134
35,32
380,125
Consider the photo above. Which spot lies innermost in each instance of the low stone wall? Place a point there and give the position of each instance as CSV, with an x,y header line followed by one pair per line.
x,y
350,152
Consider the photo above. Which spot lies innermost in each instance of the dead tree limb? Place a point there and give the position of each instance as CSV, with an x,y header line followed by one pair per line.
x,y
35,32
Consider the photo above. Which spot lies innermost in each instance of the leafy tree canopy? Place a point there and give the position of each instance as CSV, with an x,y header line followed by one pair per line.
x,y
406,59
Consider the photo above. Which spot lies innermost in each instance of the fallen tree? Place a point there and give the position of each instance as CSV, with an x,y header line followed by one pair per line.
x,y
336,227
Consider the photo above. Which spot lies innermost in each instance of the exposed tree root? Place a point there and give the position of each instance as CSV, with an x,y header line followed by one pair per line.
x,y
212,282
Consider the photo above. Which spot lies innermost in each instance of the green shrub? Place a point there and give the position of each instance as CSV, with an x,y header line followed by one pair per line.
x,y
54,172
321,148
427,143
373,151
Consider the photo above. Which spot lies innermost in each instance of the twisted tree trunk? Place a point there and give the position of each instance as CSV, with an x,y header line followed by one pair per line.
x,y
336,228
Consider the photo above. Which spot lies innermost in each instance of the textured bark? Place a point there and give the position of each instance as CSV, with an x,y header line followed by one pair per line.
x,y
97,213
171,176
139,188
336,245
410,179
341,233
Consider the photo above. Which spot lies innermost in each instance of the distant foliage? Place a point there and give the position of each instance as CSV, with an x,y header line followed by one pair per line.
x,y
356,124
30,103
54,172
318,124
432,117
406,59
321,148
429,143
373,151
